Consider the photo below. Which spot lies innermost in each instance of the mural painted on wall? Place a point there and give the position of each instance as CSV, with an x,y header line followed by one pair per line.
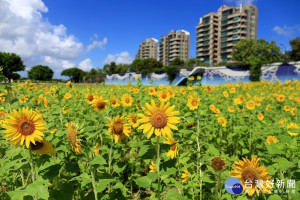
x,y
212,75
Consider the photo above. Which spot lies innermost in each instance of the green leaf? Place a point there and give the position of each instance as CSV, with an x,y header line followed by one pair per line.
x,y
283,163
173,195
274,197
98,160
144,182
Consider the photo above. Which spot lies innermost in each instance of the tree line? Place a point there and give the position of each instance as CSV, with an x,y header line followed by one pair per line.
x,y
249,53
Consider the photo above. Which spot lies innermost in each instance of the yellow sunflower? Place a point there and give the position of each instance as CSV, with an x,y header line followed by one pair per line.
x,y
24,125
271,139
230,109
72,132
292,126
173,146
159,119
193,102
97,151
250,105
185,176
133,120
118,129
152,91
249,171
115,102
99,103
260,116
43,147
68,95
152,167
89,98
222,121
163,96
127,100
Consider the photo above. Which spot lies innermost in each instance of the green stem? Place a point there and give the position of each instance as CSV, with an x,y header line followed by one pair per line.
x,y
157,167
92,175
22,177
32,168
199,164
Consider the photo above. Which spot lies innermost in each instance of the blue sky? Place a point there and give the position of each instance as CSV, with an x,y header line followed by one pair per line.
x,y
90,33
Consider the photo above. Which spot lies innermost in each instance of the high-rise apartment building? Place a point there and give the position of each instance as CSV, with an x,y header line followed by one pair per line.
x,y
147,49
175,44
217,33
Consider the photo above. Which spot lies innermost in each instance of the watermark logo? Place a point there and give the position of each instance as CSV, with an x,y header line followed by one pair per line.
x,y
233,186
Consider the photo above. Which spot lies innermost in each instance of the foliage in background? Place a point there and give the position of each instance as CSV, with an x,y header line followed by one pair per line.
x,y
40,72
10,63
73,73
294,55
253,53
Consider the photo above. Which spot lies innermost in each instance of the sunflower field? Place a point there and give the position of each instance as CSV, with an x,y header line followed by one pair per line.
x,y
68,142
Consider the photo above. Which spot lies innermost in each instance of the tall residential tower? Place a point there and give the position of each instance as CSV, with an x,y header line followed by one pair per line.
x,y
175,44
147,49
217,33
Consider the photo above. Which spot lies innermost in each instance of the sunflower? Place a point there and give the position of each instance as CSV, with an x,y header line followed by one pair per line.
x,y
293,111
173,146
24,125
97,151
280,98
159,119
163,96
118,129
212,107
218,163
225,94
185,176
89,98
271,139
268,108
72,132
260,116
127,100
230,109
293,126
133,120
287,108
115,102
99,104
152,91
250,105
222,121
43,147
193,102
152,167
68,96
232,90
249,171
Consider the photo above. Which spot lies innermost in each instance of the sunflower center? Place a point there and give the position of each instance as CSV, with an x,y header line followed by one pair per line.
x,y
173,147
118,128
127,100
90,97
164,96
38,145
218,163
100,105
113,101
134,118
159,120
194,102
249,174
27,127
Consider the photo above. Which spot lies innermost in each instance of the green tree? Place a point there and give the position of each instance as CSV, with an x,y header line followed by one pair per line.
x,y
10,63
295,53
171,71
177,62
253,53
40,72
137,65
73,73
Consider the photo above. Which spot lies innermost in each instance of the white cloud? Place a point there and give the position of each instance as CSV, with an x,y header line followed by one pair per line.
x,y
239,2
97,44
24,31
288,31
120,58
86,65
